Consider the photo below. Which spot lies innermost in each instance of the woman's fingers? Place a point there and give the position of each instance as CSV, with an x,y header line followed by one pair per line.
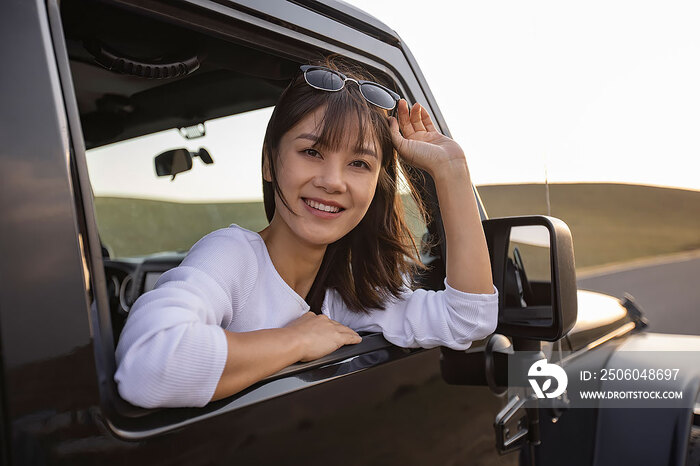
x,y
352,338
350,335
416,118
401,144
324,335
396,137
418,141
404,119
427,122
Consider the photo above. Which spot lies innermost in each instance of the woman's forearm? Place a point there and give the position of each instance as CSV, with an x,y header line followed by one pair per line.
x,y
468,264
252,356
420,144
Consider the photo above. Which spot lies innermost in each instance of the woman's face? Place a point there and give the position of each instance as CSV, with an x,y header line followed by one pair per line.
x,y
330,190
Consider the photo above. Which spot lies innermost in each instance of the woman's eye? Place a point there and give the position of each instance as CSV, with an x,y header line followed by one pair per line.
x,y
312,152
360,164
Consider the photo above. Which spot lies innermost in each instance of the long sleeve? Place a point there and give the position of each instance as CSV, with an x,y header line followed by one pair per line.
x,y
173,348
426,319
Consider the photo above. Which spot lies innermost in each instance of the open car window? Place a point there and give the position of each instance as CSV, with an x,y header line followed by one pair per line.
x,y
140,213
146,223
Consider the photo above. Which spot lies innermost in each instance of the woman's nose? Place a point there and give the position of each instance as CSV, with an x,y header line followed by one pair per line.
x,y
330,178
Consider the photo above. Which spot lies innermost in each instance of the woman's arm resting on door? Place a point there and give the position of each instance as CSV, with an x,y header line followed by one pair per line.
x,y
252,356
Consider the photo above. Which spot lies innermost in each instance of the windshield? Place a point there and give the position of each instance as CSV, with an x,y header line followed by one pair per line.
x,y
140,213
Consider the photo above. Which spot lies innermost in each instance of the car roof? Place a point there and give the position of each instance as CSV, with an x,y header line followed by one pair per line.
x,y
354,17
227,78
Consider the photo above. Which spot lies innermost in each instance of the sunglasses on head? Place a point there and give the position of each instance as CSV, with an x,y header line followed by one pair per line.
x,y
325,79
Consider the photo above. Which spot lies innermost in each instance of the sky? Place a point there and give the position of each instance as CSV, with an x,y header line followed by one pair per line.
x,y
595,91
582,91
126,169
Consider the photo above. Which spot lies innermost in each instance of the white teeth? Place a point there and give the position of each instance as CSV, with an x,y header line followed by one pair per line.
x,y
323,207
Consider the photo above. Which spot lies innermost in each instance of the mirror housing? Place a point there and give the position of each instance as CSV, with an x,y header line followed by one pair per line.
x,y
172,162
548,322
203,155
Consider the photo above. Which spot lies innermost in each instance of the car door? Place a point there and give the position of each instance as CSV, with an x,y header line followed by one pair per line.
x,y
370,404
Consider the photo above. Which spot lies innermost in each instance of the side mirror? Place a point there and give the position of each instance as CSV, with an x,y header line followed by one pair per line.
x,y
172,162
175,161
539,303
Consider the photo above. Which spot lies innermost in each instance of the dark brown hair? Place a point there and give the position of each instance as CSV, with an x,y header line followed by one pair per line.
x,y
368,265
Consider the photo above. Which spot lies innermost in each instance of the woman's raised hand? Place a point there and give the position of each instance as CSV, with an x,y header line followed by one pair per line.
x,y
320,335
419,143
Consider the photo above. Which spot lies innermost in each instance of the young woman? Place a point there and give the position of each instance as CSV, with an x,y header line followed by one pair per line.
x,y
335,258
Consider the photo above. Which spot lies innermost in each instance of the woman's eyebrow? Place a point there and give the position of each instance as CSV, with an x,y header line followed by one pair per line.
x,y
367,151
309,136
362,150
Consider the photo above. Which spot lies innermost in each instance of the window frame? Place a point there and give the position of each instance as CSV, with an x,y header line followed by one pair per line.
x,y
132,422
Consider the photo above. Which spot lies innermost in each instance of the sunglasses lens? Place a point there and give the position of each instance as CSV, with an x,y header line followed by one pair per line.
x,y
378,96
324,79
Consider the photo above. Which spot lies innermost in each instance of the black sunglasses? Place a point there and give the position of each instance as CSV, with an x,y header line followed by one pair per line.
x,y
325,79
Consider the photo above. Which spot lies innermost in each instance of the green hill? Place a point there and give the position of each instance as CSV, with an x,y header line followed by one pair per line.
x,y
135,227
609,222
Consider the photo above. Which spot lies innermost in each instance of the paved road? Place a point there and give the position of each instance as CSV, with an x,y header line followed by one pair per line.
x,y
668,293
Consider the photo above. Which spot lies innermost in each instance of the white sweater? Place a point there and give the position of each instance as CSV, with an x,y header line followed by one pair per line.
x,y
173,348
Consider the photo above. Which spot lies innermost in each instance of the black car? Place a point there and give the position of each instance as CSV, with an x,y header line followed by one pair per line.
x,y
92,93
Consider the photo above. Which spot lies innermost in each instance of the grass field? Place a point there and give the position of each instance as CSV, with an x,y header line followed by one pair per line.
x,y
609,222
134,227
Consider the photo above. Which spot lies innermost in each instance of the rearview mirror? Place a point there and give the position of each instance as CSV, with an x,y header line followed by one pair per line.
x,y
532,261
175,161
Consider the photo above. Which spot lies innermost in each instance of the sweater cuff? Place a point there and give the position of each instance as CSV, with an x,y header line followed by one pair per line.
x,y
480,309
472,297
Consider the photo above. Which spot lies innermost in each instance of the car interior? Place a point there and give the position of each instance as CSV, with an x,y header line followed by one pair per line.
x,y
156,75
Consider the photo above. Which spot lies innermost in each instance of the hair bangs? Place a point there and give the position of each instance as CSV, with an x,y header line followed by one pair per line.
x,y
349,123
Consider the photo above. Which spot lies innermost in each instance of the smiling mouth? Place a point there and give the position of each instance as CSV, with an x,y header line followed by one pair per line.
x,y
322,207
